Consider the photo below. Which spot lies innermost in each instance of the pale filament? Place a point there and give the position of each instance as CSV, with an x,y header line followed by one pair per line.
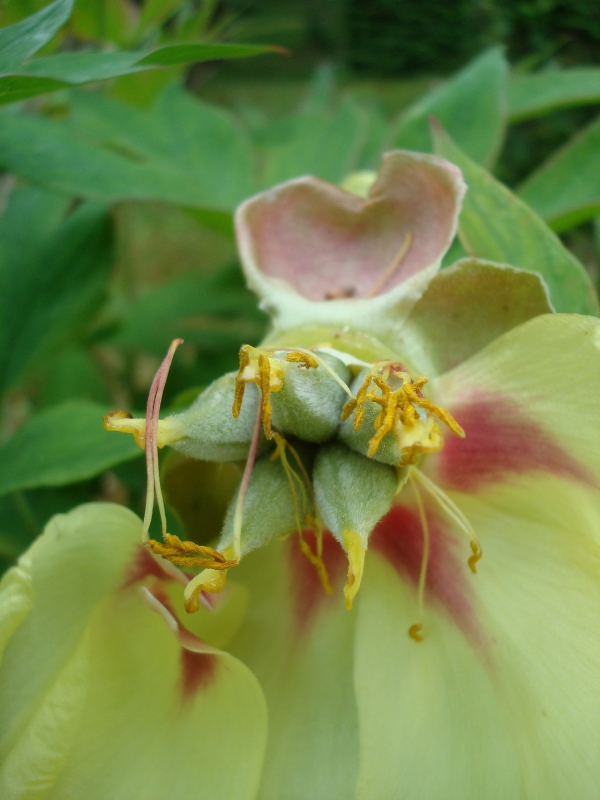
x,y
415,630
245,483
453,512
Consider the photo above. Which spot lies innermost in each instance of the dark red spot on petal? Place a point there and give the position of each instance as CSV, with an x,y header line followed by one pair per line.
x,y
307,590
399,538
500,440
198,671
142,566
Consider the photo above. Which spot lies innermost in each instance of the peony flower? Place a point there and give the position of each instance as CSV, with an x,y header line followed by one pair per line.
x,y
404,600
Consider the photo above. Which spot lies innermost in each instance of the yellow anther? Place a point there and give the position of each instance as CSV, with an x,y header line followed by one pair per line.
x,y
257,367
189,554
361,397
441,413
348,409
477,555
305,359
240,385
415,631
209,580
355,550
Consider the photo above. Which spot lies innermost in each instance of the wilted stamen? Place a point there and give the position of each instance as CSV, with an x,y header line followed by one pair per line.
x,y
152,412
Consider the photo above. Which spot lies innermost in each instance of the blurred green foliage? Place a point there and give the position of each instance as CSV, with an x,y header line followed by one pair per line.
x,y
116,198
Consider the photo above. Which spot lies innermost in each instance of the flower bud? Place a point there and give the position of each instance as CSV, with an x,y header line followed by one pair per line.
x,y
211,432
310,401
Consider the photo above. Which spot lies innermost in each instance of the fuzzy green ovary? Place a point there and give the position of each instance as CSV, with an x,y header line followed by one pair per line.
x,y
211,431
310,401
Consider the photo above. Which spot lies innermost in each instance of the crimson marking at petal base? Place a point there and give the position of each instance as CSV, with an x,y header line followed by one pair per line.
x,y
399,538
500,440
142,566
307,590
197,669
197,672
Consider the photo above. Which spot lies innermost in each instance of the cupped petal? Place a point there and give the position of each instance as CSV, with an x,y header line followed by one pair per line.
x,y
529,403
465,308
500,698
307,241
98,697
298,641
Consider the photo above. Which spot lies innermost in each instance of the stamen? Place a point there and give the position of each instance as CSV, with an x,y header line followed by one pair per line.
x,y
240,385
415,630
455,514
189,554
152,412
209,580
243,491
441,413
392,267
326,367
125,422
302,357
315,560
264,369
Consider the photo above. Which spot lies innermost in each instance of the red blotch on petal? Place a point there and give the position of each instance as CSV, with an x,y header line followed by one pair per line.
x,y
399,538
500,440
307,590
197,672
142,566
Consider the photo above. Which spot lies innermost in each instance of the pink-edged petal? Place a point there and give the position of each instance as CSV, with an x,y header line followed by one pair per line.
x,y
328,244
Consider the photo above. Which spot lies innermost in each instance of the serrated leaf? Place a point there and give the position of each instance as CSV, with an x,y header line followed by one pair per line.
x,y
565,190
532,96
62,445
21,40
496,225
471,106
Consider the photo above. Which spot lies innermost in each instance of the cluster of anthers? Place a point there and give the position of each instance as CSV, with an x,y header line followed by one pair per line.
x,y
404,411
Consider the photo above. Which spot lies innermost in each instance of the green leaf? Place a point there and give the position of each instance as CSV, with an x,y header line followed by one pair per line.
x,y
191,53
496,225
50,281
22,40
66,70
532,96
182,151
321,144
565,190
471,106
62,445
